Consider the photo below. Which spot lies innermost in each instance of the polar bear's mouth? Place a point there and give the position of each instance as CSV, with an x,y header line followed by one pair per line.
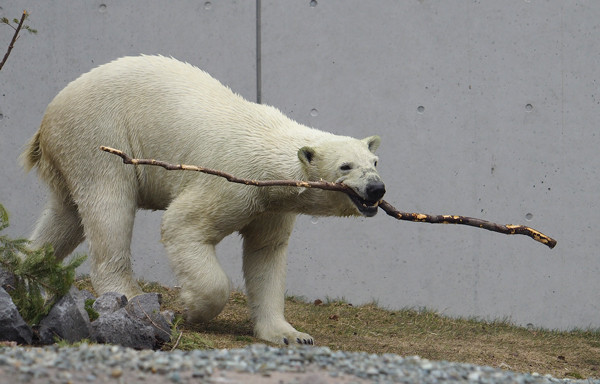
x,y
367,208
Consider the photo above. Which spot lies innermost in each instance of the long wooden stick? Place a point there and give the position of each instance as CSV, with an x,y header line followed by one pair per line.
x,y
507,229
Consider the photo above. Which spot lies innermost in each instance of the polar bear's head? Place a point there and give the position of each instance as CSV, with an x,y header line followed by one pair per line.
x,y
351,162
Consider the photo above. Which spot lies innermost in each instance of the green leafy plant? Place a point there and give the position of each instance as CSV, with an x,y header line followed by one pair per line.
x,y
16,22
39,278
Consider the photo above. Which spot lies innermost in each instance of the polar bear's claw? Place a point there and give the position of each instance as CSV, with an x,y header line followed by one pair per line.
x,y
305,341
302,341
285,334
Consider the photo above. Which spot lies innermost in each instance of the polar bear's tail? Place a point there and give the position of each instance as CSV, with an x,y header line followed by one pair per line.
x,y
34,157
32,154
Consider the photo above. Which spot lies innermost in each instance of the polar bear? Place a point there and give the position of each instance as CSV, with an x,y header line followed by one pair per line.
x,y
158,107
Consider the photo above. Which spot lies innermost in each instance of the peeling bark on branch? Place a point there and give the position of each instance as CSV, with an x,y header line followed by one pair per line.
x,y
507,229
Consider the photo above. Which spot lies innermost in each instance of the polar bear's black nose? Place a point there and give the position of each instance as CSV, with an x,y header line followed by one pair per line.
x,y
375,191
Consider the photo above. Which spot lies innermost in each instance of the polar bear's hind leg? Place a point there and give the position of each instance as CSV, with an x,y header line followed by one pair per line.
x,y
190,244
107,212
59,226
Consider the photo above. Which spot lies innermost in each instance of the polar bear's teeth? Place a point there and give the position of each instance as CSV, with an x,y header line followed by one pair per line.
x,y
369,204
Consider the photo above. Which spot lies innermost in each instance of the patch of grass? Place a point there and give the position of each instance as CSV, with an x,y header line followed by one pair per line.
x,y
574,375
340,325
194,340
92,314
65,343
84,283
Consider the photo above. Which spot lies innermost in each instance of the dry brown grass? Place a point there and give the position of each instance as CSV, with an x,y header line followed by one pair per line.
x,y
340,325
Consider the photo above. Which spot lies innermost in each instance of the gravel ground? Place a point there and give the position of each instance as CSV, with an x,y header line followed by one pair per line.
x,y
254,364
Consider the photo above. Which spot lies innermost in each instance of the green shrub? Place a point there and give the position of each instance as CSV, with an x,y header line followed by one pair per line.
x,y
39,279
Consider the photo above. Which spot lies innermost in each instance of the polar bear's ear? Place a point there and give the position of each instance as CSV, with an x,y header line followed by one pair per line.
x,y
306,155
372,142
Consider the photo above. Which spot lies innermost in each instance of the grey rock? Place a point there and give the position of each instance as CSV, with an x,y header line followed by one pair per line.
x,y
87,295
12,325
121,328
67,320
169,316
146,307
109,302
7,279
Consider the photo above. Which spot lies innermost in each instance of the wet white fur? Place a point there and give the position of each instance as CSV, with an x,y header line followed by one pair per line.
x,y
157,107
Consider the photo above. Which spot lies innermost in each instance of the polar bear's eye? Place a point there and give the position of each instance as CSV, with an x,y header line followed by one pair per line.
x,y
375,163
346,167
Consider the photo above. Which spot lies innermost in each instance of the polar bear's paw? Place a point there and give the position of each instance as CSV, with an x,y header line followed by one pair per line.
x,y
285,334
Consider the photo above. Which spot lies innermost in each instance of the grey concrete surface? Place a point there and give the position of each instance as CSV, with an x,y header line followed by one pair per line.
x,y
486,109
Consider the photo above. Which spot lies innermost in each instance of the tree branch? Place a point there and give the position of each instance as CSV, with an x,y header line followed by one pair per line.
x,y
507,229
258,183
14,38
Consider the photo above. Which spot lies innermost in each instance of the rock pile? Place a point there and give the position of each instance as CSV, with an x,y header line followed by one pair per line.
x,y
137,323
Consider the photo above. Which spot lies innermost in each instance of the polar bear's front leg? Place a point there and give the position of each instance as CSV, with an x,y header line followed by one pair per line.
x,y
265,255
205,287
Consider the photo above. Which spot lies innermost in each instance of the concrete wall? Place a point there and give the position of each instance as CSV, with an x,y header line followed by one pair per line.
x,y
486,109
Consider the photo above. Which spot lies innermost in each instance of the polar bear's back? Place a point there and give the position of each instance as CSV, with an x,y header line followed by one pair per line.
x,y
153,90
136,76
159,107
